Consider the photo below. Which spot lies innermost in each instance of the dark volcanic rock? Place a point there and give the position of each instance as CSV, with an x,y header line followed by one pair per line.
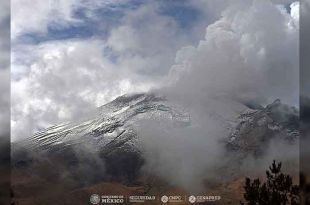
x,y
257,127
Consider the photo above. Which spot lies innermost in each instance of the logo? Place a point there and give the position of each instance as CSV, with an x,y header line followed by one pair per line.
x,y
192,199
113,199
202,199
141,199
94,199
164,199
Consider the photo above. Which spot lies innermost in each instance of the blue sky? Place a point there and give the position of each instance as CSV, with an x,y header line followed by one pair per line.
x,y
107,17
87,21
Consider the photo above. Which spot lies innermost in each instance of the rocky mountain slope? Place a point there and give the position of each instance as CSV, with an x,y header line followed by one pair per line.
x,y
111,128
258,126
110,133
107,148
105,143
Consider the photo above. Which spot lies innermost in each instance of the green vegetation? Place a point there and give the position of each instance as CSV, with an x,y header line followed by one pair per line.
x,y
277,190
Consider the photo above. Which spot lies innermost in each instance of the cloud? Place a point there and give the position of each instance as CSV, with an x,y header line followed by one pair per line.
x,y
146,41
66,80
35,16
60,80
252,51
295,7
249,54
242,54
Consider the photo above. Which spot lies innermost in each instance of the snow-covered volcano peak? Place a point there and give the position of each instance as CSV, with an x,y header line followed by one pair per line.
x,y
113,123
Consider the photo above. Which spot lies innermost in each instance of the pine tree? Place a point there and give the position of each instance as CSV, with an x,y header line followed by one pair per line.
x,y
277,190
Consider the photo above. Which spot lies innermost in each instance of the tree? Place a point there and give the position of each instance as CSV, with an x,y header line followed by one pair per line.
x,y
277,190
304,189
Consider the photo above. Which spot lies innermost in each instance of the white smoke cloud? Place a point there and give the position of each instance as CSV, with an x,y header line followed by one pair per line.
x,y
251,51
249,54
